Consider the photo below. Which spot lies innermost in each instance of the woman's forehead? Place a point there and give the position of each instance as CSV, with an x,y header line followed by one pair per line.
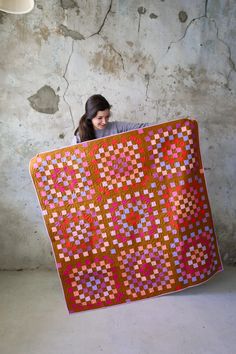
x,y
104,113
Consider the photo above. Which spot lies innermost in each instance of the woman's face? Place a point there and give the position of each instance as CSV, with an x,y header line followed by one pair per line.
x,y
101,119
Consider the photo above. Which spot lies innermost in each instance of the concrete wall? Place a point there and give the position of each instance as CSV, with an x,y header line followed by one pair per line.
x,y
153,60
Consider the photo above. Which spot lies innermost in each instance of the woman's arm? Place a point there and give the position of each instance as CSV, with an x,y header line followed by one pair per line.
x,y
126,126
115,128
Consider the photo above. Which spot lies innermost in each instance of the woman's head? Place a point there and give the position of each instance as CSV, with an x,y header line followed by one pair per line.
x,y
96,116
95,104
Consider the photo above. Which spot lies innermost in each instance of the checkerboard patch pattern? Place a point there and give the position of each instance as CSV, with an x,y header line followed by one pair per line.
x,y
119,165
128,215
64,178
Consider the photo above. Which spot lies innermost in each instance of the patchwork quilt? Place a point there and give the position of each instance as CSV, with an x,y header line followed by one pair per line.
x,y
128,215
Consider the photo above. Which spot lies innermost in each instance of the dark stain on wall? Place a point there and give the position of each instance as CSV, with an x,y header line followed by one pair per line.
x,y
62,136
142,10
183,16
2,16
68,4
45,100
130,44
153,16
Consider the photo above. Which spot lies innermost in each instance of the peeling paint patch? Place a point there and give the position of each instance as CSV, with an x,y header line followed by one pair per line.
x,y
66,32
183,16
45,100
107,59
153,16
143,64
68,4
44,32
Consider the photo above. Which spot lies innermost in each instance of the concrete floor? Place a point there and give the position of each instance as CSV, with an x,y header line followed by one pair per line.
x,y
34,319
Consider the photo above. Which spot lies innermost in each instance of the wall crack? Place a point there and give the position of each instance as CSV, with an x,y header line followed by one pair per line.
x,y
231,62
147,79
68,84
186,29
121,57
103,22
206,8
185,32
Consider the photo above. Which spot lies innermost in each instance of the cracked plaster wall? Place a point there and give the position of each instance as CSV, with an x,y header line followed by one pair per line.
x,y
153,60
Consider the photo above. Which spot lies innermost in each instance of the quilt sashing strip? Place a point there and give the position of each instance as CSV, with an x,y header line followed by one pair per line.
x,y
128,215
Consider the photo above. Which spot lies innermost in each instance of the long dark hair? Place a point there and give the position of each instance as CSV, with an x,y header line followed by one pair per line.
x,y
94,104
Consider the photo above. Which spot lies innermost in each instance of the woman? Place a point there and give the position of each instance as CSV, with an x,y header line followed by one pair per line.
x,y
95,121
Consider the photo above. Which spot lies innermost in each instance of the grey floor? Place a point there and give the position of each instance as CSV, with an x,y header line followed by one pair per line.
x,y
34,319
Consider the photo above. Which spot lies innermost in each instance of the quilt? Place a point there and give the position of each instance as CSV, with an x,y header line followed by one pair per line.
x,y
128,215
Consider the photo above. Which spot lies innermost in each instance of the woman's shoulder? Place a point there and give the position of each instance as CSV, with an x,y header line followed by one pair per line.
x,y
75,140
